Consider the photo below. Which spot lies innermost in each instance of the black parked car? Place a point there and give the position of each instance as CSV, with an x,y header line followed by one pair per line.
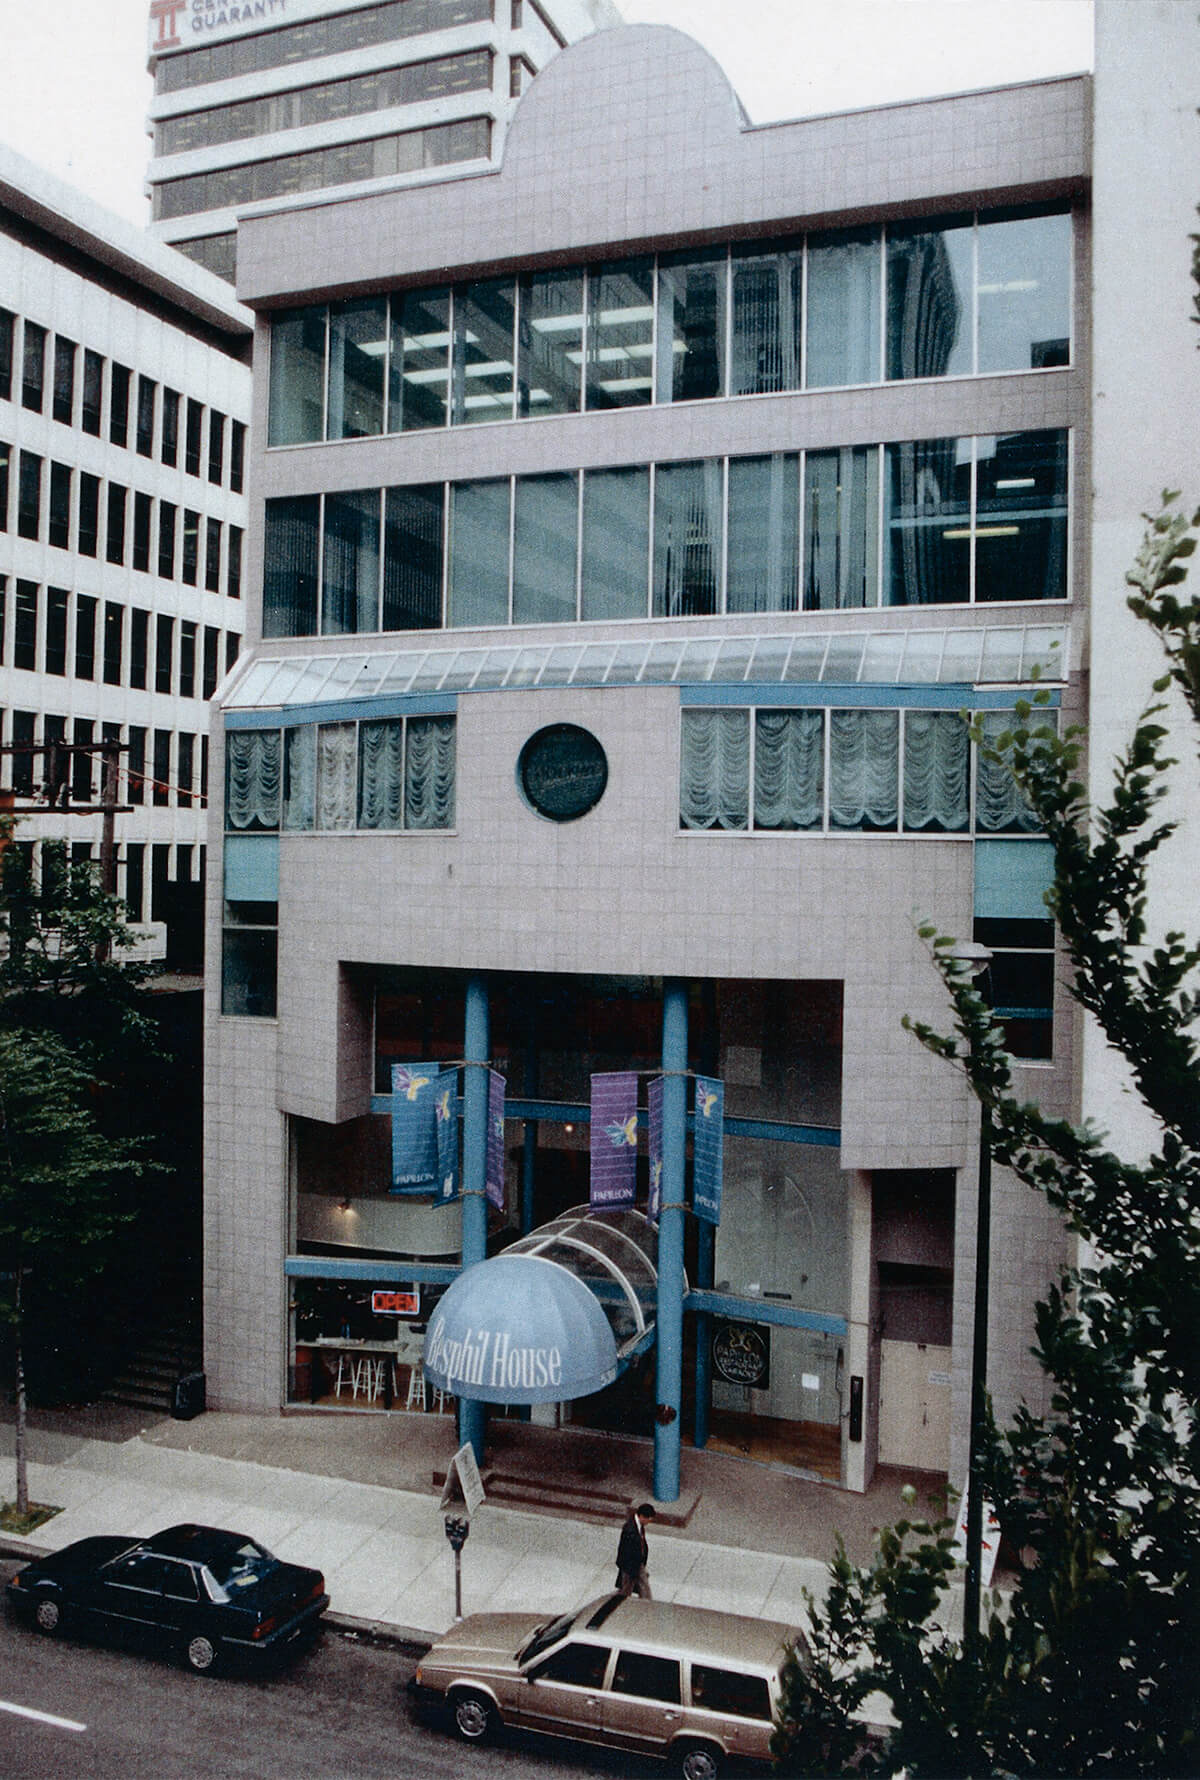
x,y
201,1592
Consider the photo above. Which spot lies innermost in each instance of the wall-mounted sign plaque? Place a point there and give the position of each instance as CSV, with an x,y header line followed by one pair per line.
x,y
562,772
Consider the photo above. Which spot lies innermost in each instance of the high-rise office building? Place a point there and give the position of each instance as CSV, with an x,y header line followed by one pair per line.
x,y
260,102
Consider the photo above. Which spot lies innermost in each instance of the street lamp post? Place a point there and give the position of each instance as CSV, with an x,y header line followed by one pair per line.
x,y
976,960
979,1345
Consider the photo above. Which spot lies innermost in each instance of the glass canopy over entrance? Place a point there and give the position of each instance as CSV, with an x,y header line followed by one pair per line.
x,y
553,1318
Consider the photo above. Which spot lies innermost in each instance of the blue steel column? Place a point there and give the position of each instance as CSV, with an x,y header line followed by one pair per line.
x,y
669,1315
706,1246
476,1052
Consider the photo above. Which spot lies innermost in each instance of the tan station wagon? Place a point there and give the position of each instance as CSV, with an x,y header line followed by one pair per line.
x,y
694,1685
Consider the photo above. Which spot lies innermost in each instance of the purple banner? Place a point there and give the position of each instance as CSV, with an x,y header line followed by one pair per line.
x,y
494,1178
654,1100
708,1148
414,1134
614,1139
446,1114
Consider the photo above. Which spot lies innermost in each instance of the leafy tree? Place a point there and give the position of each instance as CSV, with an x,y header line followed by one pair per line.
x,y
1091,1668
60,1180
78,1063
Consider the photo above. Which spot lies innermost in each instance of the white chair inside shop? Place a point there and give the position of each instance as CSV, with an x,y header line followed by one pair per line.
x,y
419,1397
372,1377
347,1373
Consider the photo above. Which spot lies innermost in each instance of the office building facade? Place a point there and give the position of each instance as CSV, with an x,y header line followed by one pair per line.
x,y
630,549
259,102
124,405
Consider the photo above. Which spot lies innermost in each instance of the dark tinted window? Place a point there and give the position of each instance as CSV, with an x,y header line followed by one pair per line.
x,y
118,404
580,1665
34,370
724,1690
649,1677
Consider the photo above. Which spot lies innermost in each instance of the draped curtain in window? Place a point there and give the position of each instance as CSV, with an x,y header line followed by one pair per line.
x,y
789,769
937,752
381,775
714,769
863,769
430,773
252,766
299,776
336,764
1000,806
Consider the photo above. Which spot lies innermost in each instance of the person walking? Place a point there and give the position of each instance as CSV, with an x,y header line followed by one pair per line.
x,y
633,1554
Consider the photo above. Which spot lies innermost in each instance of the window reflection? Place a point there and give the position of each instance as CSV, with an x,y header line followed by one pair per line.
x,y
691,326
764,533
1024,293
768,290
687,538
545,523
357,359
1021,517
616,543
841,527
550,346
929,299
418,385
843,320
484,372
620,350
928,522
297,377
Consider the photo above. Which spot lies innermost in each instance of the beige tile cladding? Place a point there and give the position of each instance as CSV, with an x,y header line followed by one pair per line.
x,y
624,890
634,134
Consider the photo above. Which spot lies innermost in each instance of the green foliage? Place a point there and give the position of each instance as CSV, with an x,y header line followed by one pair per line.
x,y
1090,1667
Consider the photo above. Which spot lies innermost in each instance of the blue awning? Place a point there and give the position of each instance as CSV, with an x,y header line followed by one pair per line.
x,y
519,1329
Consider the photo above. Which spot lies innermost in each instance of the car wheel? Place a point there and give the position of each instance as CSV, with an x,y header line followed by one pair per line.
x,y
699,1761
47,1615
474,1716
200,1654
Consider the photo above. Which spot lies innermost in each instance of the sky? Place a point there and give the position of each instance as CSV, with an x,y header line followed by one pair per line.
x,y
74,91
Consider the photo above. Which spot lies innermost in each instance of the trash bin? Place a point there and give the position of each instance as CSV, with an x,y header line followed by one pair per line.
x,y
187,1399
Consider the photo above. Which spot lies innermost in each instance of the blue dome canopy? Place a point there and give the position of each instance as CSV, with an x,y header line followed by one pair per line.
x,y
519,1329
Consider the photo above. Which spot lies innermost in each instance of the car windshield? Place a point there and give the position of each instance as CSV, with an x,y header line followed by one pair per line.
x,y
545,1636
241,1565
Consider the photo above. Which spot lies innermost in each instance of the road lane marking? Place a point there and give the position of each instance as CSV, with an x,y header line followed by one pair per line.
x,y
62,1724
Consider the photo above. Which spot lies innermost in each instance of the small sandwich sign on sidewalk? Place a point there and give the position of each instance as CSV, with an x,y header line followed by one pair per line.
x,y
463,1487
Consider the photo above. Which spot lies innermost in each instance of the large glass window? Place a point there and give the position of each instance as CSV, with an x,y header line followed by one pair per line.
x,y
550,343
358,337
419,376
691,326
296,413
350,563
484,347
620,339
479,524
768,287
764,533
687,538
841,528
1024,291
842,337
616,543
1020,532
928,522
290,576
545,524
412,557
930,307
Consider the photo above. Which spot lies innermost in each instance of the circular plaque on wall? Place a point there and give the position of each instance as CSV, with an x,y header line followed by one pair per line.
x,y
562,772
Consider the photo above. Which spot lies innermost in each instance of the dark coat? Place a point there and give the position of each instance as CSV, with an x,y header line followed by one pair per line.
x,y
632,1550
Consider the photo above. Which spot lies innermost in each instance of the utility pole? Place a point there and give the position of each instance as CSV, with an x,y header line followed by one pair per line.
x,y
57,793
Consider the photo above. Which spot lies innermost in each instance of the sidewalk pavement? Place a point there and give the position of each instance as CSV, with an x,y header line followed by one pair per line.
x,y
354,1494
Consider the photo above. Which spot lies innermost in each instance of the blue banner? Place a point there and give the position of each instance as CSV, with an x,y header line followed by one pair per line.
x,y
494,1176
708,1145
446,1114
654,1101
614,1139
414,1133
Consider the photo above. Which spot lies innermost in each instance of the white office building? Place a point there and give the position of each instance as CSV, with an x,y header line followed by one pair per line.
x,y
124,402
259,102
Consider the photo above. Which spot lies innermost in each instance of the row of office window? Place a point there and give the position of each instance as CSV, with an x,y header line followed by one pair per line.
x,y
313,169
917,522
866,770
102,397
290,44
966,295
75,635
162,767
390,774
65,508
47,865
380,90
